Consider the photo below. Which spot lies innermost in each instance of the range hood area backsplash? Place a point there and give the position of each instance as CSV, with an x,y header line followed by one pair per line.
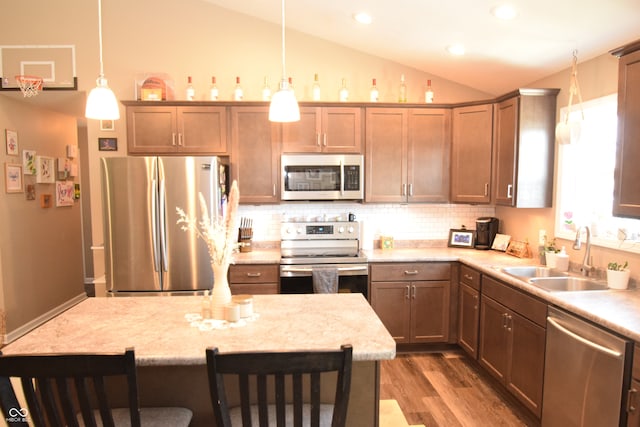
x,y
401,221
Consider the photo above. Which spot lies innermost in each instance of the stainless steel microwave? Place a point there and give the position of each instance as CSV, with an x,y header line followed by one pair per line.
x,y
322,177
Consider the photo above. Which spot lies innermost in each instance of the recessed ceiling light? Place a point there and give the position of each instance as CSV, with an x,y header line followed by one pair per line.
x,y
505,11
456,49
363,18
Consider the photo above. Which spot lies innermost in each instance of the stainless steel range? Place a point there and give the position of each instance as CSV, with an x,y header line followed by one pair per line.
x,y
312,244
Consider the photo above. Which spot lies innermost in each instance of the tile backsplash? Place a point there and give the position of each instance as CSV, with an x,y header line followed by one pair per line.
x,y
402,221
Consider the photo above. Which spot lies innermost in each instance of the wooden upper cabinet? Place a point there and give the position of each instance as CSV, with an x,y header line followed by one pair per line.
x,y
428,155
167,129
524,148
407,155
324,130
471,151
386,153
255,154
626,195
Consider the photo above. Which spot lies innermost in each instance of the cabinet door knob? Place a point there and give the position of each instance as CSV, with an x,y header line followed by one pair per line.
x,y
404,189
486,189
173,139
509,191
411,190
324,139
406,295
318,139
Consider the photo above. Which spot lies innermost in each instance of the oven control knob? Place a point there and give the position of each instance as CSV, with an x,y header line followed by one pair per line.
x,y
340,230
299,230
350,230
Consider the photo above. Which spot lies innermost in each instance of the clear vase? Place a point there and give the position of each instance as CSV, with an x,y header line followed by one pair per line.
x,y
221,293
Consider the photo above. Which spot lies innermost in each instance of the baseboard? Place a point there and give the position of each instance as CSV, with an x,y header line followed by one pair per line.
x,y
22,330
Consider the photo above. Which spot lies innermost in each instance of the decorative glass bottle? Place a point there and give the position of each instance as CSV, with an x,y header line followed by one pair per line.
x,y
191,93
213,90
344,92
238,94
428,95
315,90
402,95
266,90
373,92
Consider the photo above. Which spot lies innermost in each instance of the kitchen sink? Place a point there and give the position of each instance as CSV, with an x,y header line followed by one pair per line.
x,y
529,271
553,280
570,283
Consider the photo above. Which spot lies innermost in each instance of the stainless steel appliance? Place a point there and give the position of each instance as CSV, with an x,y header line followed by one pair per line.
x,y
312,244
145,250
486,230
322,177
586,372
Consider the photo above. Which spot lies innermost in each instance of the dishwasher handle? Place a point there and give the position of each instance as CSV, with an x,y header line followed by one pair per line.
x,y
583,340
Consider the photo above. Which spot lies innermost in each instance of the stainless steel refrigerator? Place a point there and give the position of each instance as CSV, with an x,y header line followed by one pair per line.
x,y
145,250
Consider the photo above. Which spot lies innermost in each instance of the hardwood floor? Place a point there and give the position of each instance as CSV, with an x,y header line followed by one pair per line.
x,y
448,389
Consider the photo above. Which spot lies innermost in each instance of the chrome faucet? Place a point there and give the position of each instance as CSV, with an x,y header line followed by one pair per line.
x,y
585,268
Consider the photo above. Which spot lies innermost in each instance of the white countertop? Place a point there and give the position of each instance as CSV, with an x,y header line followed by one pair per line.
x,y
156,327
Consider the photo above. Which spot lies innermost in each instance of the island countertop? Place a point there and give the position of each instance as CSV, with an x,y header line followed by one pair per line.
x,y
161,335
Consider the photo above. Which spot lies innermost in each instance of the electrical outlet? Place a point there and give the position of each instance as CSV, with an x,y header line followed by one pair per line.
x,y
542,235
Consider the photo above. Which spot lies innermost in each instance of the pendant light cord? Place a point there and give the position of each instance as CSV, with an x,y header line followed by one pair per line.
x,y
284,73
100,36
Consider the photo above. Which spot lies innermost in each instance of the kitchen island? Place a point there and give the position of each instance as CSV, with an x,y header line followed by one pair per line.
x,y
170,353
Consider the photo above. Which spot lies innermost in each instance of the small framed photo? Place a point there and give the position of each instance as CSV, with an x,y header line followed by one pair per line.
x,y
11,137
31,192
108,144
13,182
45,201
45,170
64,193
107,125
29,162
461,238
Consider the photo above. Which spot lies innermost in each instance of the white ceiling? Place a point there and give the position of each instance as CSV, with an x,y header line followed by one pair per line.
x,y
500,55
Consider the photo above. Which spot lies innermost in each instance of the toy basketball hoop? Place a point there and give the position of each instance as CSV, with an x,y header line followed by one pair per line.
x,y
29,85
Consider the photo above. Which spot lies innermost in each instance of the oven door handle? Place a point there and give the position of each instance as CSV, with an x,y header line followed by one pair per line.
x,y
310,269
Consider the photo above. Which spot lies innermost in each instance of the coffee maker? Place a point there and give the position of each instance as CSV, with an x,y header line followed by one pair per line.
x,y
486,230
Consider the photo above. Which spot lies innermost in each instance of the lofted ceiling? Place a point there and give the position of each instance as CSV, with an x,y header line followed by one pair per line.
x,y
500,55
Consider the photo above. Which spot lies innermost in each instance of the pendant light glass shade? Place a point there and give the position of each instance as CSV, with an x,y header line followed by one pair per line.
x,y
101,102
284,106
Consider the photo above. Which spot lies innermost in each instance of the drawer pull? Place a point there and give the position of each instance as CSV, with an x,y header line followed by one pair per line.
x,y
468,277
411,273
254,274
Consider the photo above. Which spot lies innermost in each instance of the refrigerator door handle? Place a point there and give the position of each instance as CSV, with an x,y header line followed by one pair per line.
x,y
162,226
154,236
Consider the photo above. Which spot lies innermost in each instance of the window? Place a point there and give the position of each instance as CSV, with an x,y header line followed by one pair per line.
x,y
585,180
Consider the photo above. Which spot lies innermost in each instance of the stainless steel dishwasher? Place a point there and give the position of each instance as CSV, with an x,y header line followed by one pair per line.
x,y
586,371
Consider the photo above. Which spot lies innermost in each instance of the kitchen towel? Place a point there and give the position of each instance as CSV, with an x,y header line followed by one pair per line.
x,y
325,280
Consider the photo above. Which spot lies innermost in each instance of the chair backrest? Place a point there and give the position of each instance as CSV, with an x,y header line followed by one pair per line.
x,y
59,387
277,368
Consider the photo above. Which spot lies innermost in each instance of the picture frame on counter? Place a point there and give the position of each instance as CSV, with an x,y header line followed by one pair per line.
x,y
13,182
461,238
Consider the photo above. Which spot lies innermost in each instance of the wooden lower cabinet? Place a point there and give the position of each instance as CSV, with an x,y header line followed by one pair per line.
x,y
469,310
254,279
412,300
511,345
633,395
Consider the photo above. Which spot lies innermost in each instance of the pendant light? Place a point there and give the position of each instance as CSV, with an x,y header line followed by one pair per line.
x,y
101,103
284,106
